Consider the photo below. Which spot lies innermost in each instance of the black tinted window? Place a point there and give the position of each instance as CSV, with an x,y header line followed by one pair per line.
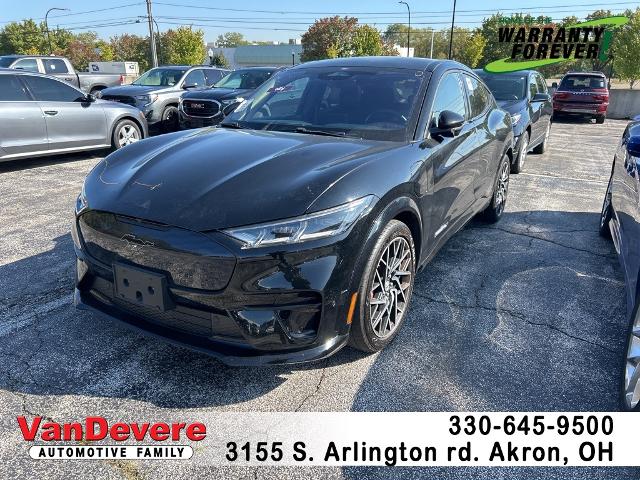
x,y
533,88
195,77
506,87
11,89
245,79
49,90
55,65
479,97
581,82
28,64
542,86
449,96
213,76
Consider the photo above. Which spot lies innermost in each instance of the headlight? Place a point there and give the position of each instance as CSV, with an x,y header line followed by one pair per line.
x,y
515,118
81,202
326,223
147,99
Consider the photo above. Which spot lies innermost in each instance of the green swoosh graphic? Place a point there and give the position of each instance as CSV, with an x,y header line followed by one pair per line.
x,y
508,65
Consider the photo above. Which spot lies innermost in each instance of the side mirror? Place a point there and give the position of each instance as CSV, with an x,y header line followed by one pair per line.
x,y
189,86
541,97
449,123
554,85
88,98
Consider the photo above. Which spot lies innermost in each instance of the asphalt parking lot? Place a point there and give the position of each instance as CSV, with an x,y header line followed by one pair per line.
x,y
526,315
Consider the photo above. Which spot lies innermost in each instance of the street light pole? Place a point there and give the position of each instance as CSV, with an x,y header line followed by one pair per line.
x,y
453,20
152,36
409,29
46,25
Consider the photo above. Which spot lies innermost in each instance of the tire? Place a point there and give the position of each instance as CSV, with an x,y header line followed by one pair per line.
x,y
606,212
494,211
541,147
600,118
377,294
125,133
521,154
631,365
169,122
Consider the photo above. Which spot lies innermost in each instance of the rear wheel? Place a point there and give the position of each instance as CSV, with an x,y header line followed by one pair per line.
x,y
605,214
521,154
125,133
540,148
600,119
386,289
494,211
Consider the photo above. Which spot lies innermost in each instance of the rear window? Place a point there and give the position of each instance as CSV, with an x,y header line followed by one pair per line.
x,y
582,82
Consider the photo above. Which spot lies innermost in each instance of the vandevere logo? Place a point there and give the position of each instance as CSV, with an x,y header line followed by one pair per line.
x,y
539,46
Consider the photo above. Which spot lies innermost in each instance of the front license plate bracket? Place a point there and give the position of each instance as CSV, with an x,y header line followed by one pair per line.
x,y
141,287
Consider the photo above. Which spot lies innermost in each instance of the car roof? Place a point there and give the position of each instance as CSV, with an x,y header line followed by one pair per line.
x,y
517,73
415,63
15,55
591,74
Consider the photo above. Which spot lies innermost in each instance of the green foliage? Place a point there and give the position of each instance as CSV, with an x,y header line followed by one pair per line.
x,y
131,48
182,46
219,60
627,62
329,38
230,40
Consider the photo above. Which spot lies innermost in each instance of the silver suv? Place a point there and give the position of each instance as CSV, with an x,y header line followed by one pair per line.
x,y
41,115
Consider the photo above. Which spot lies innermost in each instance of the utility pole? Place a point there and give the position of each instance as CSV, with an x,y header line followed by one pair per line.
x,y
152,36
453,20
408,29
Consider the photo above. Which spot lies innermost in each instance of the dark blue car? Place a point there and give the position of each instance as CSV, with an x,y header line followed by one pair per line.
x,y
525,96
620,220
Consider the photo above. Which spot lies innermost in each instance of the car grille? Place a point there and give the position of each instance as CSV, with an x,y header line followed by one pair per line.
x,y
120,99
188,259
201,108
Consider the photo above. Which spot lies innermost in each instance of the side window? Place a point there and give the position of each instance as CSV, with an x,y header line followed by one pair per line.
x,y
212,76
54,65
196,77
533,88
12,90
542,86
28,64
449,96
479,97
49,90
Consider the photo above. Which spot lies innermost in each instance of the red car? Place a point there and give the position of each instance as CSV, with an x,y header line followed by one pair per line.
x,y
582,93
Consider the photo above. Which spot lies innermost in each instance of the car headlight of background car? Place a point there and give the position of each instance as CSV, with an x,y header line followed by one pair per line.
x,y
515,118
323,224
147,99
229,105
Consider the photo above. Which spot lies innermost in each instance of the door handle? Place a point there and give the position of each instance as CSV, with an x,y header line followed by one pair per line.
x,y
51,112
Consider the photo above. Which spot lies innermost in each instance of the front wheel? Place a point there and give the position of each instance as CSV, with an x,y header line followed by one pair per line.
x,y
521,154
631,371
606,212
386,288
125,133
494,211
170,119
540,148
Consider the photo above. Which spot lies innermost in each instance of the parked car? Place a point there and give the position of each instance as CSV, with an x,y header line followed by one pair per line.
x,y
157,91
583,94
298,224
61,68
208,107
620,220
524,95
42,115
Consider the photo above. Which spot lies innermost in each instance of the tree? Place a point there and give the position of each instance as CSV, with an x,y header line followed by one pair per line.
x,y
24,38
367,41
468,46
131,48
493,48
230,40
219,60
87,47
329,38
182,46
626,50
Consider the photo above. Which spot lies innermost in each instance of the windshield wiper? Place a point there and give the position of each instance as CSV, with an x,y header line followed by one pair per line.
x,y
326,133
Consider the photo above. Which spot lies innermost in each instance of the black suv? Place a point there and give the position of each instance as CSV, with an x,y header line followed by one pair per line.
x,y
157,91
524,95
209,107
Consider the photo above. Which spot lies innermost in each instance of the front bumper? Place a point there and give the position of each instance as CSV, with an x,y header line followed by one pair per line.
x,y
189,121
286,306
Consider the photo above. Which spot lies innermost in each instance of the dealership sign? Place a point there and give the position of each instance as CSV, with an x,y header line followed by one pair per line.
x,y
534,46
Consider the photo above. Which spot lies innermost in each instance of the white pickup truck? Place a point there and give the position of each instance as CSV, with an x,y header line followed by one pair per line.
x,y
60,67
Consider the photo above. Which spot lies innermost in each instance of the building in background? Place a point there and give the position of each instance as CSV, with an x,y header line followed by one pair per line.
x,y
279,55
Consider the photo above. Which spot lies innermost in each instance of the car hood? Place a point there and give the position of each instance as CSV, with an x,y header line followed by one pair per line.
x,y
512,106
217,93
217,178
133,90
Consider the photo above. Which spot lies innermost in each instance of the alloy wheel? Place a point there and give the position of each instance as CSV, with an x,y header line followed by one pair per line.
x,y
127,135
502,188
606,204
390,291
632,367
523,151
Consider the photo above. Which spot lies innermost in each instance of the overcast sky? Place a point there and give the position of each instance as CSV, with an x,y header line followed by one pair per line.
x,y
278,20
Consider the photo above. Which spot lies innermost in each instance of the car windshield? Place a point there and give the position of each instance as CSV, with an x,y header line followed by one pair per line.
x,y
245,79
581,82
367,102
160,77
6,61
506,87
